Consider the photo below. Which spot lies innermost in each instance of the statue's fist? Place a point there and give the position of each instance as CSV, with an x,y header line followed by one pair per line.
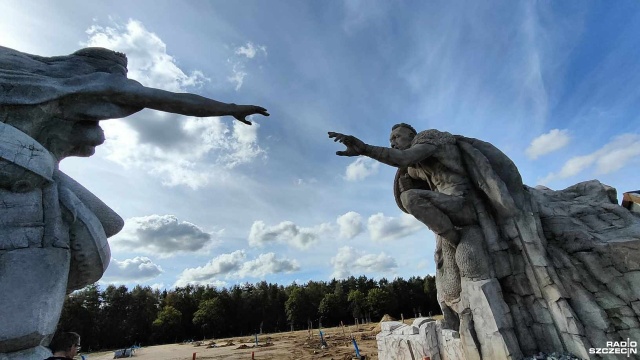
x,y
405,183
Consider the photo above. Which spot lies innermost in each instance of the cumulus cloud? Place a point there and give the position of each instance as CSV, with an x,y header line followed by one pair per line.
x,y
389,228
349,260
148,61
361,168
286,232
233,265
175,148
611,157
350,225
128,270
266,264
546,143
163,235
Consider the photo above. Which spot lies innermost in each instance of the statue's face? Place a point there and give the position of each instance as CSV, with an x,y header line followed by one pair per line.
x,y
85,136
401,138
66,138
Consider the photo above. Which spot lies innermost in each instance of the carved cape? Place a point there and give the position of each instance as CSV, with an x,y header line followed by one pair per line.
x,y
489,169
82,231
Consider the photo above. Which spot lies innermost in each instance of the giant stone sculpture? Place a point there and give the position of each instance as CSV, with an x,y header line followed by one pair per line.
x,y
519,270
53,231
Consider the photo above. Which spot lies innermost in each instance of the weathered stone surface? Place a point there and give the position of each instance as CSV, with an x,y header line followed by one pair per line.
x,y
573,255
401,341
53,231
451,345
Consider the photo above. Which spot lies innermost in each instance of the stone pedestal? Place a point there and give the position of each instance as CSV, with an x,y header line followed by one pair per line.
x,y
33,283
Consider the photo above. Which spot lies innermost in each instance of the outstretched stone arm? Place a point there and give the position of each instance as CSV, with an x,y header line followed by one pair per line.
x,y
392,157
186,104
131,95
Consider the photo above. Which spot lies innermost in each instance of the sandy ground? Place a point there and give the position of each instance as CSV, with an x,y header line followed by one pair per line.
x,y
286,345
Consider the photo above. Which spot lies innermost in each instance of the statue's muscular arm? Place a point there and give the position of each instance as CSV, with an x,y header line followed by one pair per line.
x,y
392,157
131,95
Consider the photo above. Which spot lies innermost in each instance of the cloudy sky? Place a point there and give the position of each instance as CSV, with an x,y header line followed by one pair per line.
x,y
212,201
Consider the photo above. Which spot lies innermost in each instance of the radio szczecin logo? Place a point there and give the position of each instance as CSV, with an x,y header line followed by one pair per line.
x,y
617,347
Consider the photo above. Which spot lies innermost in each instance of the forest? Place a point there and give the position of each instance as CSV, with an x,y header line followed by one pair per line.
x,y
116,317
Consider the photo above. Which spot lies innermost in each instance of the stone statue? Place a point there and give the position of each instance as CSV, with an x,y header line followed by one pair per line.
x,y
518,270
53,233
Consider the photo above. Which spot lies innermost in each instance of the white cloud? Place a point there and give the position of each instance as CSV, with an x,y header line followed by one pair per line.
x,y
175,148
350,225
348,260
611,157
266,264
250,50
389,228
158,286
286,232
148,61
301,182
163,235
361,168
546,143
238,65
233,265
128,270
238,76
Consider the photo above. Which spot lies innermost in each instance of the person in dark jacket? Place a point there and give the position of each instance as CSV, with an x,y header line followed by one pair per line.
x,y
64,346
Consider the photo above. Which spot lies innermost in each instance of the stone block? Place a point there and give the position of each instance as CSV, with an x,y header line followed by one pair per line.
x,y
540,312
547,337
389,326
525,337
33,274
21,208
430,332
635,306
586,307
517,284
451,346
607,300
625,250
633,279
577,345
400,341
501,264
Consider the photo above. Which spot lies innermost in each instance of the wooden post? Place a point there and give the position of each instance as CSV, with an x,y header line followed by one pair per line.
x,y
194,356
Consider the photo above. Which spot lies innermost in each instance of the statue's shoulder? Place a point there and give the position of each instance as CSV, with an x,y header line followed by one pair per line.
x,y
19,149
434,137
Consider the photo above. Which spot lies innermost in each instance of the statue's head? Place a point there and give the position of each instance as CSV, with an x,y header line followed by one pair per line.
x,y
104,60
401,136
56,111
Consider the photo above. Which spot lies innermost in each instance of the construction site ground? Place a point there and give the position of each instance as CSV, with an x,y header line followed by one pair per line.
x,y
286,345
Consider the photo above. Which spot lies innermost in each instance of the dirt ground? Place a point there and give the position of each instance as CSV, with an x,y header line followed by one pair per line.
x,y
285,346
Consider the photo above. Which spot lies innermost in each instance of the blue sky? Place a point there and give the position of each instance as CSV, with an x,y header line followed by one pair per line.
x,y
211,201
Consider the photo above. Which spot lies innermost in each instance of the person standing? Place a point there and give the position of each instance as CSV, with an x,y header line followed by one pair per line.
x,y
64,346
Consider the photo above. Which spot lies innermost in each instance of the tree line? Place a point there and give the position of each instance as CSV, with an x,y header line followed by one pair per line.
x,y
117,317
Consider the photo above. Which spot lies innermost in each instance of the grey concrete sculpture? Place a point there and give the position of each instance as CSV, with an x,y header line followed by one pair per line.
x,y
53,231
518,269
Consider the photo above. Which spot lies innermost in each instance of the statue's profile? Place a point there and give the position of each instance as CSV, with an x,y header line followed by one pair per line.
x,y
518,270
53,231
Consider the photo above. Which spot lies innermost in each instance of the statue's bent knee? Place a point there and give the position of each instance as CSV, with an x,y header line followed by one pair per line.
x,y
411,200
